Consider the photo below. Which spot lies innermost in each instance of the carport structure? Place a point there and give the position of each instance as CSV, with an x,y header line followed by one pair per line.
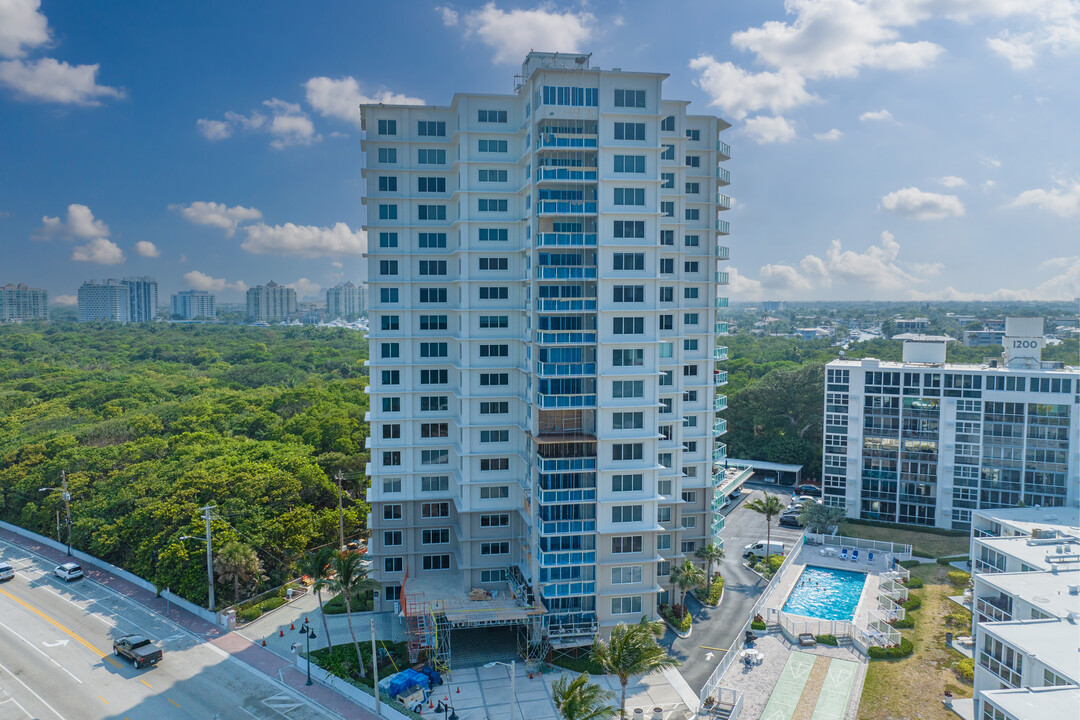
x,y
785,474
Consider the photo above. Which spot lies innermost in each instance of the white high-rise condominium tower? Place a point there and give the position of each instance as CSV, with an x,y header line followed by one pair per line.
x,y
543,313
925,442
21,303
108,300
192,304
343,301
143,297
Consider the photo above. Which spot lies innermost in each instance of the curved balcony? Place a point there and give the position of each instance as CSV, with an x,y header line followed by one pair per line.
x,y
719,426
566,338
565,369
721,278
720,302
559,140
720,353
561,497
555,306
565,401
723,252
565,207
556,465
723,177
555,174
723,201
565,273
719,378
720,402
560,559
566,240
723,149
719,455
723,227
720,327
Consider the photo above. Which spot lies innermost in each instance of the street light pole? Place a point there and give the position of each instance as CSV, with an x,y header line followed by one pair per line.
x,y
211,605
340,477
309,634
67,505
512,667
375,667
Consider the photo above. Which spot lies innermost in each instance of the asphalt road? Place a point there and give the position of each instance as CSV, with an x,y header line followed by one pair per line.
x,y
715,628
56,660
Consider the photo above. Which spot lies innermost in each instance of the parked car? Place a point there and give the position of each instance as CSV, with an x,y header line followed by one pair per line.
x,y
68,572
790,520
138,649
800,499
6,571
812,490
758,549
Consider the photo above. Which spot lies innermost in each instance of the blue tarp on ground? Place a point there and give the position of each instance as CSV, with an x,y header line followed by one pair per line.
x,y
416,678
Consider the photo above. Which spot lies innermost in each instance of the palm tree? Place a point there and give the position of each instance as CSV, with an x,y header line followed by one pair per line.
x,y
351,579
579,699
315,565
711,553
236,563
687,575
631,650
770,506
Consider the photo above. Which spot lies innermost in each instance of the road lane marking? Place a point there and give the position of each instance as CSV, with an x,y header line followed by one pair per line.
x,y
60,626
174,702
43,702
47,656
706,647
146,683
103,700
13,700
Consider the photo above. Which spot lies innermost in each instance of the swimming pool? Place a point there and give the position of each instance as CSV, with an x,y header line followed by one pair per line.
x,y
826,594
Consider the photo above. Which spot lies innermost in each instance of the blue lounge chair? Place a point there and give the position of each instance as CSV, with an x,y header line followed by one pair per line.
x,y
870,556
854,556
843,554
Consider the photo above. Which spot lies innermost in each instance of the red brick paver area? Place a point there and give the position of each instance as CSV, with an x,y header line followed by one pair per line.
x,y
276,668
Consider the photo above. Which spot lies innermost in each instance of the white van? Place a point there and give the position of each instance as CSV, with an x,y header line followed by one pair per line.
x,y
758,549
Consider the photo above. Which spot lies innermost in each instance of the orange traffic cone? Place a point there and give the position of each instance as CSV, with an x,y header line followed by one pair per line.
x,y
292,626
431,704
264,642
305,620
281,633
459,691
446,698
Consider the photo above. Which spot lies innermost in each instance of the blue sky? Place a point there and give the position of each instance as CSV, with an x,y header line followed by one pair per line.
x,y
886,149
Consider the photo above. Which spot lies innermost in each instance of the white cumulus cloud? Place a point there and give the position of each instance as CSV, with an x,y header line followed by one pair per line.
x,y
99,250
784,277
304,240
217,214
512,34
952,181
341,98
80,224
914,203
214,129
741,286
305,287
1062,200
1064,284
66,300
287,124
739,92
201,281
145,248
1017,49
830,136
765,130
448,14
49,80
22,27
875,115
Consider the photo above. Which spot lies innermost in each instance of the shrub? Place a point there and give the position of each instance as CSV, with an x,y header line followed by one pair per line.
x,y
902,650
775,561
904,623
908,564
677,616
714,594
247,614
336,604
758,625
959,578
965,669
949,559
915,583
912,603
827,640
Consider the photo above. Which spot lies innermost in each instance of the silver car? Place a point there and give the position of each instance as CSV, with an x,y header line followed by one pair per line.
x,y
6,571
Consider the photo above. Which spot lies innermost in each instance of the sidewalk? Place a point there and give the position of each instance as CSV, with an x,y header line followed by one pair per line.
x,y
277,668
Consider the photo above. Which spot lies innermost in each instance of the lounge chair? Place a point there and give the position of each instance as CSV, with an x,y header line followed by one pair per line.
x,y
854,556
870,556
843,554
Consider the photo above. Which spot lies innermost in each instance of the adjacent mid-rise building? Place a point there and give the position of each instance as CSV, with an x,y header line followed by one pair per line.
x,y
143,298
543,318
344,301
22,303
1025,603
926,442
194,304
271,302
108,300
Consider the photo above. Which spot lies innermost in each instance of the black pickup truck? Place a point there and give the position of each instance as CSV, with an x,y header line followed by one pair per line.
x,y
138,649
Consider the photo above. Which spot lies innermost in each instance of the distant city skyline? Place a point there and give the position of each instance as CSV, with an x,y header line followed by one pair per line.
x,y
908,150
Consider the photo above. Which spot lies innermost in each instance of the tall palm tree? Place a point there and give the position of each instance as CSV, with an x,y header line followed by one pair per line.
x,y
770,506
315,565
237,564
350,580
579,699
631,650
687,575
711,553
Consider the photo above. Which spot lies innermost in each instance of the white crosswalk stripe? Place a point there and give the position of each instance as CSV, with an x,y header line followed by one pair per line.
x,y
282,702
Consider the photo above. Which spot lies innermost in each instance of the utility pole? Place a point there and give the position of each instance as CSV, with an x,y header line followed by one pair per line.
x,y
340,477
67,507
375,666
211,605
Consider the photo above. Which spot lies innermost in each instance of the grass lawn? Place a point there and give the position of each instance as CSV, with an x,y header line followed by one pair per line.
x,y
915,686
922,543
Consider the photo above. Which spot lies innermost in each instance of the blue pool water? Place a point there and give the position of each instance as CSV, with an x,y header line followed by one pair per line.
x,y
826,594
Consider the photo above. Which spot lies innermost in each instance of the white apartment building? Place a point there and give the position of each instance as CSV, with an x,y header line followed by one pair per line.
x,y
108,300
543,319
22,303
192,304
343,301
271,302
1026,612
925,442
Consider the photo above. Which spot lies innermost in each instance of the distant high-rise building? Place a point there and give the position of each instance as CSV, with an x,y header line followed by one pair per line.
x,y
142,298
544,396
773,305
20,303
271,302
108,300
343,301
192,304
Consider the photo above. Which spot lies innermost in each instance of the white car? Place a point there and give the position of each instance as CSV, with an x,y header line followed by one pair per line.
x,y
68,572
6,571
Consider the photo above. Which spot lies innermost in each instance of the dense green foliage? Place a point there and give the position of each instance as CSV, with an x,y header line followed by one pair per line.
x,y
153,422
829,640
902,650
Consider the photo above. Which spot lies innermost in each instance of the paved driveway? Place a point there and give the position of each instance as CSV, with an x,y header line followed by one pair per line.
x,y
715,628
